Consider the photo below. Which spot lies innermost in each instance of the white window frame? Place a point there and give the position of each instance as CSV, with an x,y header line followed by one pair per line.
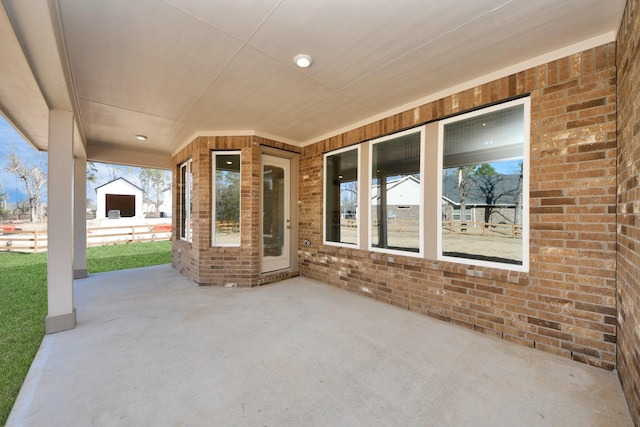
x,y
526,102
421,248
185,182
355,245
214,154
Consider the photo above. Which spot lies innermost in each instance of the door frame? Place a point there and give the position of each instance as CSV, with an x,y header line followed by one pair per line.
x,y
293,205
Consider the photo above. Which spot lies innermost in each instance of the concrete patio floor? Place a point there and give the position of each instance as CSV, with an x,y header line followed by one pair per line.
x,y
152,348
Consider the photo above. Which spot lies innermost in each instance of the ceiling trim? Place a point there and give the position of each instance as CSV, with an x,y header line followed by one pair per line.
x,y
106,153
67,70
44,51
250,132
21,98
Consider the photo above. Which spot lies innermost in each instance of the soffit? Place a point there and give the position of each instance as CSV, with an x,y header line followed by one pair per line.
x,y
21,101
172,69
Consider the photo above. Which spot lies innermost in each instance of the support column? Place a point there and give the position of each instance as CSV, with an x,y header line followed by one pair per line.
x,y
62,314
80,218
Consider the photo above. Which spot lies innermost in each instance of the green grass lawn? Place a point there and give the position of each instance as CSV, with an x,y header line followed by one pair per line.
x,y
23,304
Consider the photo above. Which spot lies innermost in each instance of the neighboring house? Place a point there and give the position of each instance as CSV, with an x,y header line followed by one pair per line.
x,y
119,199
165,207
403,198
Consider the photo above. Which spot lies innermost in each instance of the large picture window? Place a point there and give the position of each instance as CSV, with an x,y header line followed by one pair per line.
x,y
396,192
226,198
186,203
454,190
484,183
341,197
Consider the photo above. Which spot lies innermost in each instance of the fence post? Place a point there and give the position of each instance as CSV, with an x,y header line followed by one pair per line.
x,y
35,241
133,233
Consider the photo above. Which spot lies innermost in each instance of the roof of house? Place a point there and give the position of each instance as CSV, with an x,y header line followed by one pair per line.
x,y
505,189
120,179
409,179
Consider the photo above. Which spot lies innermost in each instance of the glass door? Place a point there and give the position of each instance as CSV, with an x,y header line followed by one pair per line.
x,y
276,225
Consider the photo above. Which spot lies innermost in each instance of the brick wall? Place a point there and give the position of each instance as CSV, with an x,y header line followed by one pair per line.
x,y
566,304
198,260
629,207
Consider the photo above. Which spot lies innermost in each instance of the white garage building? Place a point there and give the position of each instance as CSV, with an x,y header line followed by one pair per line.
x,y
119,199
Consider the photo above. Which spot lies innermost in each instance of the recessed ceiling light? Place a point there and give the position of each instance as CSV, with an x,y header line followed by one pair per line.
x,y
302,60
141,137
229,162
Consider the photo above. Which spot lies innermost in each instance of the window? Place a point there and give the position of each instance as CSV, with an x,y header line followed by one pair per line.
x,y
456,214
397,193
484,164
453,190
341,197
226,198
186,202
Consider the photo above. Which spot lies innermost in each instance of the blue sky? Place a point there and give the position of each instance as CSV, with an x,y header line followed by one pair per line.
x,y
10,140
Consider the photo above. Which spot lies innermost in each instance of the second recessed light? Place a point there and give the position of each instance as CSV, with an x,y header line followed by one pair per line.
x,y
302,60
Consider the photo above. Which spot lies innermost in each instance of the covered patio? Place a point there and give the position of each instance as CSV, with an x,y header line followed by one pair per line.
x,y
210,91
153,349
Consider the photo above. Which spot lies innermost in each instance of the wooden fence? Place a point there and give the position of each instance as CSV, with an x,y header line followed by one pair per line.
x,y
483,228
36,241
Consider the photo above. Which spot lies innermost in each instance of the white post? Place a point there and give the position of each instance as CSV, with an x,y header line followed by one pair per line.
x,y
62,313
80,218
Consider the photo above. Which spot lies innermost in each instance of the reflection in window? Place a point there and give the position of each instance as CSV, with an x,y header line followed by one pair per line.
x,y
341,197
186,202
396,192
226,198
273,205
483,186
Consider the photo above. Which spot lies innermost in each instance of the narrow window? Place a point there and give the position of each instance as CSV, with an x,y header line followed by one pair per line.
x,y
186,203
484,182
226,198
341,197
396,193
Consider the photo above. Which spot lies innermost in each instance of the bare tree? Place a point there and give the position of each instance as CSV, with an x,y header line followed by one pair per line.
x,y
92,172
153,183
3,198
464,190
518,214
487,180
349,190
227,196
493,187
114,172
145,184
33,178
